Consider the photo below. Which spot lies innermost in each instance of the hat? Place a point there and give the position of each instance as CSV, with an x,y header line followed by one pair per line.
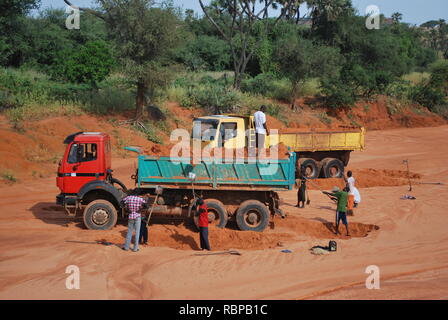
x,y
336,189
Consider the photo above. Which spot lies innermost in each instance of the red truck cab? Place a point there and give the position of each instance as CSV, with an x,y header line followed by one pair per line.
x,y
86,158
85,180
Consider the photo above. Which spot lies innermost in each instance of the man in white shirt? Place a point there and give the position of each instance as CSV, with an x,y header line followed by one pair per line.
x,y
353,194
261,128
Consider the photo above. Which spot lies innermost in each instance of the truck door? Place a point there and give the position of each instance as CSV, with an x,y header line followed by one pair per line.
x,y
82,166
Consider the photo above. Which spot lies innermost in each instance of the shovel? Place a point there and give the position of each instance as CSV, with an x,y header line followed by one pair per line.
x,y
232,252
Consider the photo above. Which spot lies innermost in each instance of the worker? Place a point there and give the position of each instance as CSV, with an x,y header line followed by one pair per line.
x,y
143,238
202,212
353,194
134,204
261,128
301,192
341,198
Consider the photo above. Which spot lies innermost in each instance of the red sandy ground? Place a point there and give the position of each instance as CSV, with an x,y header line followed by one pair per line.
x,y
406,239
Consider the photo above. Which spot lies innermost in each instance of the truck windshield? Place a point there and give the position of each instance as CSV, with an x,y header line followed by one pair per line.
x,y
204,129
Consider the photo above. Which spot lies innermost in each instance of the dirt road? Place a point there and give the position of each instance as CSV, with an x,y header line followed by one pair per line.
x,y
406,239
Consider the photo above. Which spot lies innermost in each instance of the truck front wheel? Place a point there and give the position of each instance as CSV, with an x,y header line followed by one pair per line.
x,y
252,215
100,215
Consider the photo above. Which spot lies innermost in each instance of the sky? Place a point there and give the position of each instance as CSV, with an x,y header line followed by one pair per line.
x,y
414,11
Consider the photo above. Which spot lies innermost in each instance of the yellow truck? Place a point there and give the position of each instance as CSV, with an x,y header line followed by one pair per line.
x,y
320,153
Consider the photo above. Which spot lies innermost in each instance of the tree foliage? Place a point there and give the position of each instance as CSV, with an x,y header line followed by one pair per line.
x,y
90,64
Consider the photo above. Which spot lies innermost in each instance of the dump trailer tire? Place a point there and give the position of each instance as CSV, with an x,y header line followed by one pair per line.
x,y
332,168
216,211
252,215
311,167
100,215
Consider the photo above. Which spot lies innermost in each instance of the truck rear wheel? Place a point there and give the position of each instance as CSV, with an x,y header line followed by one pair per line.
x,y
311,167
100,215
332,168
217,213
252,215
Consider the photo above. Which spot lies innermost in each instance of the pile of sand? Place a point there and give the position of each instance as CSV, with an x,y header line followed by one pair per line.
x,y
184,236
280,151
367,178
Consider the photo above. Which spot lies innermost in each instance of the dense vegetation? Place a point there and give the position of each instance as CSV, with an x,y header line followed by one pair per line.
x,y
130,53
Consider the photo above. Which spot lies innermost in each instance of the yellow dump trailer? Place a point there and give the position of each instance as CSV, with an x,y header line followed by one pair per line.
x,y
319,153
313,141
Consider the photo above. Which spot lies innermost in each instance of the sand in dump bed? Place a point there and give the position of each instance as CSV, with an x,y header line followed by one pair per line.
x,y
406,239
279,151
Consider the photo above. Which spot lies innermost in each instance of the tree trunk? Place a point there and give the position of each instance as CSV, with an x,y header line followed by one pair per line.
x,y
295,88
237,81
140,99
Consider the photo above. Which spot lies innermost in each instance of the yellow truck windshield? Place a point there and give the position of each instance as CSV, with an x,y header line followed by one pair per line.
x,y
205,129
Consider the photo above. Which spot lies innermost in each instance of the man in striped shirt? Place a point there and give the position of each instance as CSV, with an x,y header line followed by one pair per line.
x,y
134,204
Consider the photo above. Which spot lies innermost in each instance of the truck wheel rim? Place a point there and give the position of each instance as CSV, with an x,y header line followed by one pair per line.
x,y
212,216
309,171
334,171
252,218
100,217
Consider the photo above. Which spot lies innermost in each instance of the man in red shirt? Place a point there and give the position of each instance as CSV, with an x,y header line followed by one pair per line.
x,y
202,211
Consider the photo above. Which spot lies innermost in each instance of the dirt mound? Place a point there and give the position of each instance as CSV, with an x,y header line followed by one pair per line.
x,y
281,151
367,178
387,113
183,236
322,229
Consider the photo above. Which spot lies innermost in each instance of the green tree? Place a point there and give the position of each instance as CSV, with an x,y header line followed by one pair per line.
x,y
236,22
90,64
397,17
144,37
433,93
12,41
205,52
300,59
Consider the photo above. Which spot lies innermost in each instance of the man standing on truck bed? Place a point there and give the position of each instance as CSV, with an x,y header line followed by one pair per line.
x,y
261,128
341,197
134,204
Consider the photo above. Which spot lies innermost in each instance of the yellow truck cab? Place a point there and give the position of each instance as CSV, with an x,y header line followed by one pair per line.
x,y
226,130
320,153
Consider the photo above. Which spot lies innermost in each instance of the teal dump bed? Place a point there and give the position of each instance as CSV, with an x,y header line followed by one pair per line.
x,y
255,175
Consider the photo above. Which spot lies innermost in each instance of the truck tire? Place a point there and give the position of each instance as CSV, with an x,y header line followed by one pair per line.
x,y
217,214
311,167
100,215
252,215
332,168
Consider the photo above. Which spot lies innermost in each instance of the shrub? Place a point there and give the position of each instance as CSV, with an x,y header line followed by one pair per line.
x,y
261,84
9,176
399,89
433,92
107,100
90,64
217,99
150,131
337,94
